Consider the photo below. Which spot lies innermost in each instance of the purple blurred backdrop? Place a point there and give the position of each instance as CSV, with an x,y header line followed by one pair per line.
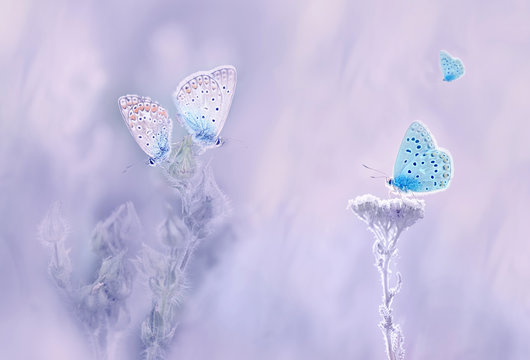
x,y
323,86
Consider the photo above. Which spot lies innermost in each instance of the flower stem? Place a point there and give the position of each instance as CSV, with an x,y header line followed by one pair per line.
x,y
384,250
387,302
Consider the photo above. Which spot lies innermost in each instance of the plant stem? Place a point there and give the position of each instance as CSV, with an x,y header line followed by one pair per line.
x,y
387,302
384,250
187,254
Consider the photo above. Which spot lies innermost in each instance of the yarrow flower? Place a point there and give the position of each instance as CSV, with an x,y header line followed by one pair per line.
x,y
397,213
387,219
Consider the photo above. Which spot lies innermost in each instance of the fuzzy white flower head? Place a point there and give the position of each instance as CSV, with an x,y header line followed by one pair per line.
x,y
402,212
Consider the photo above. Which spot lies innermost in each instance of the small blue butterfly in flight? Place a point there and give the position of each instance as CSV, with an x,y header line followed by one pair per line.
x,y
421,166
149,125
203,101
452,67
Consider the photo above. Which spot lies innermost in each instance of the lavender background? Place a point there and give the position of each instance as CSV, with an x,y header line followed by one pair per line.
x,y
323,87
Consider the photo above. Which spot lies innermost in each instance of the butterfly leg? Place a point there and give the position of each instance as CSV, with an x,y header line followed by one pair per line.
x,y
416,199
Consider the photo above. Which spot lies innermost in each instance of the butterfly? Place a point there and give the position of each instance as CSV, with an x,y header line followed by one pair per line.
x,y
203,101
421,166
149,125
452,68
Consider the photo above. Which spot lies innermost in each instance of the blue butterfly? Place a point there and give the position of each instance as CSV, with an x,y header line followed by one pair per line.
x,y
149,125
452,68
203,101
420,165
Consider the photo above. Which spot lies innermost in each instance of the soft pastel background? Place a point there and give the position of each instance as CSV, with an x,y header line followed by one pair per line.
x,y
323,87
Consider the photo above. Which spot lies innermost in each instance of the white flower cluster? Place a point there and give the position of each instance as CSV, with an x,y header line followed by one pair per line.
x,y
395,214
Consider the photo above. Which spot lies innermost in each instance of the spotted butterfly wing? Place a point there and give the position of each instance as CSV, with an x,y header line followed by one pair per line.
x,y
149,125
452,68
203,101
226,77
420,165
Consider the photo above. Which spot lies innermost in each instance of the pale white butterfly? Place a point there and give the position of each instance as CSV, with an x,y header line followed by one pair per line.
x,y
203,101
149,125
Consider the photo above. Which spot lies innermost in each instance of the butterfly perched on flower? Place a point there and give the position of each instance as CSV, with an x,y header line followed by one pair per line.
x,y
452,67
149,125
421,166
203,101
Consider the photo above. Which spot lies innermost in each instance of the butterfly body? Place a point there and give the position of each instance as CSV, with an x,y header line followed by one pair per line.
x,y
203,101
149,124
163,148
404,183
452,67
421,167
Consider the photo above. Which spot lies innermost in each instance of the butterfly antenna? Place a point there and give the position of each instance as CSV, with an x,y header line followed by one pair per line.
x,y
378,171
130,166
240,142
127,168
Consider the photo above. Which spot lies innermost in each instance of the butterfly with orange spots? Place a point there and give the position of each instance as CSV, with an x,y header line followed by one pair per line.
x,y
149,125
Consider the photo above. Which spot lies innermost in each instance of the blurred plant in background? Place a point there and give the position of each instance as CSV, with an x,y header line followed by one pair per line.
x,y
387,219
100,305
202,206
